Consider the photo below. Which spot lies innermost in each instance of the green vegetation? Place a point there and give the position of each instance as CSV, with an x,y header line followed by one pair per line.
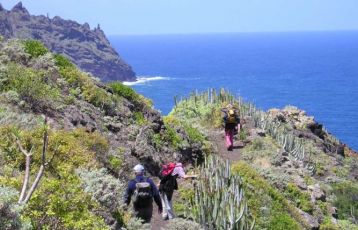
x,y
35,48
346,200
59,200
139,118
301,199
62,62
63,204
219,201
32,86
124,91
267,205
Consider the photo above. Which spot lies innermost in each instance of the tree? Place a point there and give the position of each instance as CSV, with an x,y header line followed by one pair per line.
x,y
26,195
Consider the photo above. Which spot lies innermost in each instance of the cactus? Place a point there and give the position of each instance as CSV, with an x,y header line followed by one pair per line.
x,y
219,201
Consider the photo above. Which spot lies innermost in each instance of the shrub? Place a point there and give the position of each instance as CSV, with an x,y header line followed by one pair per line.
x,y
62,204
266,203
243,134
14,51
35,48
346,200
124,91
31,86
104,188
10,212
179,224
257,144
301,199
139,118
44,62
282,222
194,134
63,62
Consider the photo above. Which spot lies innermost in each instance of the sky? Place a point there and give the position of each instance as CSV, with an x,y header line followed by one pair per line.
x,y
127,17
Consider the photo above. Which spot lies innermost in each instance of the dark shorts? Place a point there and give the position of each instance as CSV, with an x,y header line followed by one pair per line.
x,y
230,126
144,213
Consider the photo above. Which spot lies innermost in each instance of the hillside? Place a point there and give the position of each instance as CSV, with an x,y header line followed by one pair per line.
x,y
95,133
80,138
89,49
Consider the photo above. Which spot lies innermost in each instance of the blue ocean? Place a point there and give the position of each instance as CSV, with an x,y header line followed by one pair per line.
x,y
315,71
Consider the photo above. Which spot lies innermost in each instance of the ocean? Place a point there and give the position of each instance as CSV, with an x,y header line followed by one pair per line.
x,y
315,71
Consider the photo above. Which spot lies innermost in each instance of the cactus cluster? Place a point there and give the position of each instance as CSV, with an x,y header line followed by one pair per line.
x,y
219,201
290,143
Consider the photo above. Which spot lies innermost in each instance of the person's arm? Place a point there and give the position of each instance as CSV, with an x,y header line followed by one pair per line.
x,y
156,196
190,176
128,194
181,174
238,124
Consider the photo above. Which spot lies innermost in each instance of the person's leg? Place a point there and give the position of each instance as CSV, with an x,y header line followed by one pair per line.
x,y
169,207
227,138
145,213
171,214
164,205
231,138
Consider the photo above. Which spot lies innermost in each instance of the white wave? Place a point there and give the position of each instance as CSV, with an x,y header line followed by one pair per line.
x,y
144,79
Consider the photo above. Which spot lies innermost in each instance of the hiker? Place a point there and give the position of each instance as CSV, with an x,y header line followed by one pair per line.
x,y
232,125
168,183
141,191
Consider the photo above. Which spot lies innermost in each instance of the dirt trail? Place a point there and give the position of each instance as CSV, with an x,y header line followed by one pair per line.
x,y
157,222
217,137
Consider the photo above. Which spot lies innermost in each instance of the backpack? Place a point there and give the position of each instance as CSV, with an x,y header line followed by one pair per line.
x,y
167,169
231,117
168,182
142,195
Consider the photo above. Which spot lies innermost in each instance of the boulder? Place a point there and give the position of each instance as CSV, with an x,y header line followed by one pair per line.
x,y
299,181
316,193
311,220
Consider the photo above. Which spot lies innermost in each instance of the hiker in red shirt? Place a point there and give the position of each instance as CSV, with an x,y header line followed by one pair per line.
x,y
168,184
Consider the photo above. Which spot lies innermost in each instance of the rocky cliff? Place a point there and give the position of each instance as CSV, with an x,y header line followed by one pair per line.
x,y
89,49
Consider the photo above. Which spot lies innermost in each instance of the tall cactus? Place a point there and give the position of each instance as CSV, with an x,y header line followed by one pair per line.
x,y
219,201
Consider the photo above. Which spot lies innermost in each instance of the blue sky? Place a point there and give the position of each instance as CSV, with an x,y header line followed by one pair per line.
x,y
118,17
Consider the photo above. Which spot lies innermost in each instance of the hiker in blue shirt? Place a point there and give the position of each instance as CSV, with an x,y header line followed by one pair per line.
x,y
141,192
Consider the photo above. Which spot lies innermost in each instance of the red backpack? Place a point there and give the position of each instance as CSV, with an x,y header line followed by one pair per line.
x,y
167,169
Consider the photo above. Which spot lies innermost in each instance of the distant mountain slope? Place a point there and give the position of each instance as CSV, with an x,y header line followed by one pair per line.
x,y
88,49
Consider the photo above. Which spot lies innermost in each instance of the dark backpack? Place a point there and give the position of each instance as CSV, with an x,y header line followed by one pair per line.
x,y
142,195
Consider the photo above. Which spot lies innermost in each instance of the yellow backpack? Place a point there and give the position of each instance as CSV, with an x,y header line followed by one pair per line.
x,y
231,117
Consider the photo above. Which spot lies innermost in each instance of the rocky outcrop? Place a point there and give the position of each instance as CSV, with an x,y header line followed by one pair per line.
x,y
89,49
306,127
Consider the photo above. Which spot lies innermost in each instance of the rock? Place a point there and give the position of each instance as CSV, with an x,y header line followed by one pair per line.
x,y
261,132
89,49
316,193
333,211
300,183
114,127
311,221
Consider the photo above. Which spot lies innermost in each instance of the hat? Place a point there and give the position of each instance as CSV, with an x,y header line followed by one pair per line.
x,y
138,168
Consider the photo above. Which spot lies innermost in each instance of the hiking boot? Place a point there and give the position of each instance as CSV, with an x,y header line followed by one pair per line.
x,y
230,148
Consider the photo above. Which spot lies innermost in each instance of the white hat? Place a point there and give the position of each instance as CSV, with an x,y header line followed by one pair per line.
x,y
138,168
